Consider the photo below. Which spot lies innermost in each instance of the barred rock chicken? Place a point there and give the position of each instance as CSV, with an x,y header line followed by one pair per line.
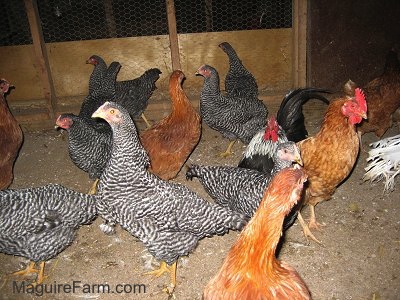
x,y
384,162
38,223
168,218
89,140
88,147
239,82
99,70
383,97
241,189
234,117
330,155
288,126
170,142
11,138
251,270
132,94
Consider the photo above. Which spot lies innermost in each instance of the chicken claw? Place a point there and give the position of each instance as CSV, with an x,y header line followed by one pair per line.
x,y
306,230
31,269
228,150
313,221
163,269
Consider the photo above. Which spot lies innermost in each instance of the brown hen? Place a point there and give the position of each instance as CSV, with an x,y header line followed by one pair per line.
x,y
251,270
383,97
330,155
10,138
170,142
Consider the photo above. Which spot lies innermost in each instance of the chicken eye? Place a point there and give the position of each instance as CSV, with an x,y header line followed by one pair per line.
x,y
112,111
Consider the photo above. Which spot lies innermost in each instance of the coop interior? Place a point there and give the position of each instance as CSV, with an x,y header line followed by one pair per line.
x,y
286,45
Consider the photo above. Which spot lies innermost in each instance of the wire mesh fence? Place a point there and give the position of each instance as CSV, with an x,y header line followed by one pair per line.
x,y
74,20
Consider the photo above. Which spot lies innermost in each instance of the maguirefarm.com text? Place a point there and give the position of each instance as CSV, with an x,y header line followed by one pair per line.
x,y
77,287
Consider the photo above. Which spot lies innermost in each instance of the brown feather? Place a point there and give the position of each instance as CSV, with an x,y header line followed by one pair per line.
x,y
251,270
170,142
10,142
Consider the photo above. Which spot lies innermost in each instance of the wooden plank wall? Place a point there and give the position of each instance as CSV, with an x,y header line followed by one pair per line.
x,y
266,53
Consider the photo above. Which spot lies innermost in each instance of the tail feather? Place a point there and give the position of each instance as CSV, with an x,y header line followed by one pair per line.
x,y
290,114
384,162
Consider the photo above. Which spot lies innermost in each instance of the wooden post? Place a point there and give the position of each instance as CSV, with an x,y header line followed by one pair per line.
x,y
39,47
173,35
299,43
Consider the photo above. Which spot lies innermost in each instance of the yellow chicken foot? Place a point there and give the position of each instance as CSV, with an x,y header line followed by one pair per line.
x,y
31,269
313,221
145,120
228,150
93,189
163,269
306,229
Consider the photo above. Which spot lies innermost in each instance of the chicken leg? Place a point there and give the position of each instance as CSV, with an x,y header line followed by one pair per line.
x,y
228,150
306,229
163,269
313,220
31,269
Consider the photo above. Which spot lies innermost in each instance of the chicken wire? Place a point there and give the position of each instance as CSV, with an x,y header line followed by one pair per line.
x,y
74,20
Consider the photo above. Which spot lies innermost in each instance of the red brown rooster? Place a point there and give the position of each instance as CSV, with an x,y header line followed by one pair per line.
x,y
330,155
251,270
10,138
170,141
383,97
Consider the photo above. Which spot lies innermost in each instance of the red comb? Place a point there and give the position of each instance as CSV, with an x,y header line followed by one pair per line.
x,y
360,98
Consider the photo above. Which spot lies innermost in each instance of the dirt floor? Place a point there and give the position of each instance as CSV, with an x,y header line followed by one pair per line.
x,y
359,258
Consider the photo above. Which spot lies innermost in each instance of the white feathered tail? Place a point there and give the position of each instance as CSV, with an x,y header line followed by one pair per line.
x,y
384,162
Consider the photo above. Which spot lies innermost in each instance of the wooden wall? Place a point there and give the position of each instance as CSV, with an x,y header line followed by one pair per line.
x,y
266,53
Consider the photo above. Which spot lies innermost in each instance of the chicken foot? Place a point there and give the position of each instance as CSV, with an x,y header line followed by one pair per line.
x,y
306,229
228,150
163,269
313,220
31,269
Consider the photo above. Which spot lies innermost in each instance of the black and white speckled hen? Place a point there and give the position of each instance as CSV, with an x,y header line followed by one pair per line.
x,y
234,117
288,126
168,218
88,147
89,140
242,189
99,70
133,94
238,81
38,223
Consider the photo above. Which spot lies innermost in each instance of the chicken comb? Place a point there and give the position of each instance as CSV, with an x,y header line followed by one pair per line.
x,y
360,98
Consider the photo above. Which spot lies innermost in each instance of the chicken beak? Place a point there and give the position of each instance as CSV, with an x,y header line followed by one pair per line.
x,y
298,160
364,115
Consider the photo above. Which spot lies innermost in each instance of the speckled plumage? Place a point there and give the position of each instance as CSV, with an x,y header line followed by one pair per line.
x,y
132,94
38,223
89,148
242,189
234,117
239,82
99,70
168,218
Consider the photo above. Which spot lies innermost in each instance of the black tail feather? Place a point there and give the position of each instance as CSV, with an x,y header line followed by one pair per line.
x,y
290,114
